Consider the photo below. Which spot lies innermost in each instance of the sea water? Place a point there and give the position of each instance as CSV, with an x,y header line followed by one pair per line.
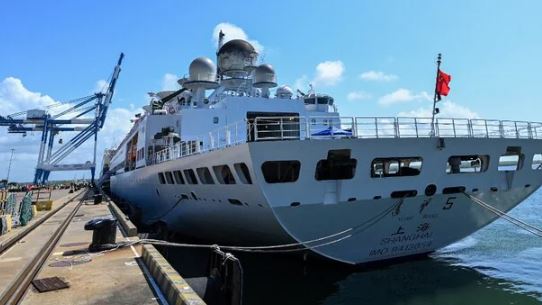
x,y
500,264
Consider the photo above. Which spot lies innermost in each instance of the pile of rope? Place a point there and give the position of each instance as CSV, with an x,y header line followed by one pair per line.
x,y
25,214
10,206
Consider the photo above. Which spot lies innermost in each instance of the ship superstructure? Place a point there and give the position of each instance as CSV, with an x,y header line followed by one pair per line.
x,y
226,160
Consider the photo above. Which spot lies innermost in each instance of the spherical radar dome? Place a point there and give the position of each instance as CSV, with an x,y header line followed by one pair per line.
x,y
264,76
237,45
235,58
202,69
284,91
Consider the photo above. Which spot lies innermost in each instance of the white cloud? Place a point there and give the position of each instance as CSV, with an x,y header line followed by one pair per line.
x,y
169,82
302,83
101,86
402,96
231,32
117,125
14,97
448,109
358,96
377,76
328,73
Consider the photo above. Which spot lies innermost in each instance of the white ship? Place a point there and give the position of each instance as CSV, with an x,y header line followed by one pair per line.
x,y
224,160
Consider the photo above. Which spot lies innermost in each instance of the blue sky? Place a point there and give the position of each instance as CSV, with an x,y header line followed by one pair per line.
x,y
377,58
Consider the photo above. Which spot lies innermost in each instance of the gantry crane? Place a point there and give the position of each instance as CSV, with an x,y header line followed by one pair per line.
x,y
51,125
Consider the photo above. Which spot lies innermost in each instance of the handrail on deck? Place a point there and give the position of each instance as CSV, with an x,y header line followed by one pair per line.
x,y
322,127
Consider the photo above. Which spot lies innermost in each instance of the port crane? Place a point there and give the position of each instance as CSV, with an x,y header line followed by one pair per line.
x,y
75,116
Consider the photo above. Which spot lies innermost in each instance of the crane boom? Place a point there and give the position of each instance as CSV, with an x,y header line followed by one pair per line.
x,y
51,125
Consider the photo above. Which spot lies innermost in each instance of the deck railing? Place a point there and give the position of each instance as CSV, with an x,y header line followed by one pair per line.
x,y
229,135
285,128
321,128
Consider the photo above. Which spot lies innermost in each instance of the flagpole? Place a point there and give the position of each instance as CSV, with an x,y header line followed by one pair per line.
x,y
435,97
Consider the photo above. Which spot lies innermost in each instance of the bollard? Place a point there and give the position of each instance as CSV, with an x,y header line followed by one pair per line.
x,y
97,198
103,235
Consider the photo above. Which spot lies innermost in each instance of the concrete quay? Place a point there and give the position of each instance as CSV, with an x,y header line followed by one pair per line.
x,y
52,252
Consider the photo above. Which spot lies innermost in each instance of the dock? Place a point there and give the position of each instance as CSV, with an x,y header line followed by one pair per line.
x,y
48,261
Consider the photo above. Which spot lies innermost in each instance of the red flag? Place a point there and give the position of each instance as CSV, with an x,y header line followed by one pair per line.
x,y
443,81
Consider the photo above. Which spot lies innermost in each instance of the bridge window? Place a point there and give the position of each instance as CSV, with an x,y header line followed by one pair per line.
x,y
161,178
169,178
224,174
243,173
205,176
512,160
281,171
178,177
396,167
337,166
310,100
537,162
322,100
190,176
467,164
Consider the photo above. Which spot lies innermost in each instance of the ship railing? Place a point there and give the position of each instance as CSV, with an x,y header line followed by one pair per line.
x,y
225,136
300,128
228,135
322,128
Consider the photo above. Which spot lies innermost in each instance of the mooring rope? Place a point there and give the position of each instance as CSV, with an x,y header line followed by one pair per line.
x,y
284,248
517,222
234,248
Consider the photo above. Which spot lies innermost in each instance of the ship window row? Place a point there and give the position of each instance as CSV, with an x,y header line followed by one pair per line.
x,y
340,166
223,174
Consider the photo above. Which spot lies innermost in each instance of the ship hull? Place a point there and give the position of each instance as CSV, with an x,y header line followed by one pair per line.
x,y
355,220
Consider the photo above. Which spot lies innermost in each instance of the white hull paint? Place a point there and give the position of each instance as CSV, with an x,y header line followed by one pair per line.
x,y
418,225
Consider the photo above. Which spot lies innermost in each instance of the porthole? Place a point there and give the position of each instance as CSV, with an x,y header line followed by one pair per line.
x,y
430,190
235,201
453,190
404,194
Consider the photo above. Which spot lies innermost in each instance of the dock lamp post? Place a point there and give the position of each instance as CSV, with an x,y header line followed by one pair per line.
x,y
9,165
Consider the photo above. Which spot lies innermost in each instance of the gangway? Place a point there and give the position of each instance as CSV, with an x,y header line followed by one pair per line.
x,y
73,117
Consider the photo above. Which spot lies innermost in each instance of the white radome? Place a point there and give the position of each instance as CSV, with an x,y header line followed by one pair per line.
x,y
202,69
